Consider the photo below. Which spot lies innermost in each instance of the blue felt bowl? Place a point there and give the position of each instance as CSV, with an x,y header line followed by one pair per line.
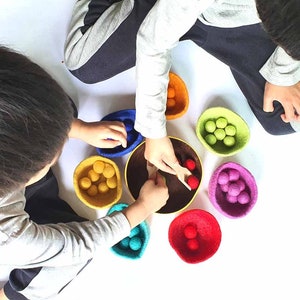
x,y
134,138
134,245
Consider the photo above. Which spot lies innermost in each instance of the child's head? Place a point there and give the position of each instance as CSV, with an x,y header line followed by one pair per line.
x,y
35,118
281,20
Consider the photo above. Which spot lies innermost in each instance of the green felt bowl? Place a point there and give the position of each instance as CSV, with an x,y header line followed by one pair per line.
x,y
241,136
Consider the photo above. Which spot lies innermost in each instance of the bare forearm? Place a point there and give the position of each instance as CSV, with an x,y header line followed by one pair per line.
x,y
136,213
2,295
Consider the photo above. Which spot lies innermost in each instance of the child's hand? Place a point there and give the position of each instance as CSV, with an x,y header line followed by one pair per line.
x,y
101,134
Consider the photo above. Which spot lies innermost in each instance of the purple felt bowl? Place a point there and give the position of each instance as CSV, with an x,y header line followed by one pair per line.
x,y
235,196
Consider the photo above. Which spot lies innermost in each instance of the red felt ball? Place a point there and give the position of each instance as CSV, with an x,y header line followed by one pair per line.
x,y
193,244
190,164
190,231
193,182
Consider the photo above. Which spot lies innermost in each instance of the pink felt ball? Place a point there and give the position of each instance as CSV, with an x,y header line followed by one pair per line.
x,y
193,244
223,178
190,164
233,189
224,187
234,174
193,182
241,184
190,231
243,197
231,199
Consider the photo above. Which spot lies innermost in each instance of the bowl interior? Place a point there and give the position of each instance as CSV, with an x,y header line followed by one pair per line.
x,y
241,136
100,200
179,196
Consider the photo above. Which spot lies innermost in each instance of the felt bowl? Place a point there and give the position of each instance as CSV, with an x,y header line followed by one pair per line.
x,y
107,184
134,245
127,116
222,131
180,196
232,190
177,97
195,235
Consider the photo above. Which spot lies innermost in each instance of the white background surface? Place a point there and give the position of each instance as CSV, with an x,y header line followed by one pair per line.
x,y
259,254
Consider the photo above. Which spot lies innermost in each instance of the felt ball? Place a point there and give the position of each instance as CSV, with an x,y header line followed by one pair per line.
x,y
193,244
93,175
98,166
210,139
234,174
224,187
135,243
230,130
219,134
125,242
108,171
223,178
171,92
92,191
85,183
103,187
134,231
233,189
129,125
231,199
190,231
221,122
190,164
243,197
193,182
171,102
229,141
112,182
210,126
241,183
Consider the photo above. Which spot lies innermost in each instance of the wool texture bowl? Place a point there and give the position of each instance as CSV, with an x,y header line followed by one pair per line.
x,y
222,131
177,97
232,190
195,235
97,182
179,196
127,116
134,245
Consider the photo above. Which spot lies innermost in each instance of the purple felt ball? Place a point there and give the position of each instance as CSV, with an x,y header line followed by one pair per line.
x,y
234,174
224,187
233,189
231,199
243,197
241,184
223,178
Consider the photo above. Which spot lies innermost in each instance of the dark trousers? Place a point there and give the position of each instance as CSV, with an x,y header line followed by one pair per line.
x,y
244,49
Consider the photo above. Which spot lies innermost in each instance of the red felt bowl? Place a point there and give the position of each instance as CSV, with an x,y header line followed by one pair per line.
x,y
195,235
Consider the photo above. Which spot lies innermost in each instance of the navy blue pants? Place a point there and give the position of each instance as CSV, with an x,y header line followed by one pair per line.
x,y
244,49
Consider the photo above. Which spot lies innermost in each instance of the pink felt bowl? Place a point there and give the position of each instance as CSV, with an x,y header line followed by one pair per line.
x,y
232,190
195,235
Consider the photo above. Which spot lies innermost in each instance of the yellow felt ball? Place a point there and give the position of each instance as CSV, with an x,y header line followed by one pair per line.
x,y
92,191
171,92
103,187
98,166
85,183
112,182
93,175
108,171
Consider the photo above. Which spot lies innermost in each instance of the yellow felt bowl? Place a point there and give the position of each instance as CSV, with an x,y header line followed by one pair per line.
x,y
178,102
241,136
101,199
179,196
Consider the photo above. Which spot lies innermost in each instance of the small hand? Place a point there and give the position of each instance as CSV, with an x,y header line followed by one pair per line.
x,y
288,96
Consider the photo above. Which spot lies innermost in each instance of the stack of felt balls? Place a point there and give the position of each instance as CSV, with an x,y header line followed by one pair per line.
x,y
192,180
220,130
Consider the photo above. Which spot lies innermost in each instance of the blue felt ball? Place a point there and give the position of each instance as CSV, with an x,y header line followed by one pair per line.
x,y
135,243
125,242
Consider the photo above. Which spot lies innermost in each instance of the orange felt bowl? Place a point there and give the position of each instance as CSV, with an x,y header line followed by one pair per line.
x,y
101,200
181,97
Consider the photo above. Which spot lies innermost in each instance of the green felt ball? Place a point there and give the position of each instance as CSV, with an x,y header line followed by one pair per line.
x,y
135,243
220,134
229,141
221,122
210,139
230,130
210,126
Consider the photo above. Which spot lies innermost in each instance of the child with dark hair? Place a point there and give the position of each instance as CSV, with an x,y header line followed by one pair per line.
x,y
262,54
41,237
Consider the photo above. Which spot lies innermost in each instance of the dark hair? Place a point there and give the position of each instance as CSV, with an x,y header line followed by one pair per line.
x,y
35,118
281,20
